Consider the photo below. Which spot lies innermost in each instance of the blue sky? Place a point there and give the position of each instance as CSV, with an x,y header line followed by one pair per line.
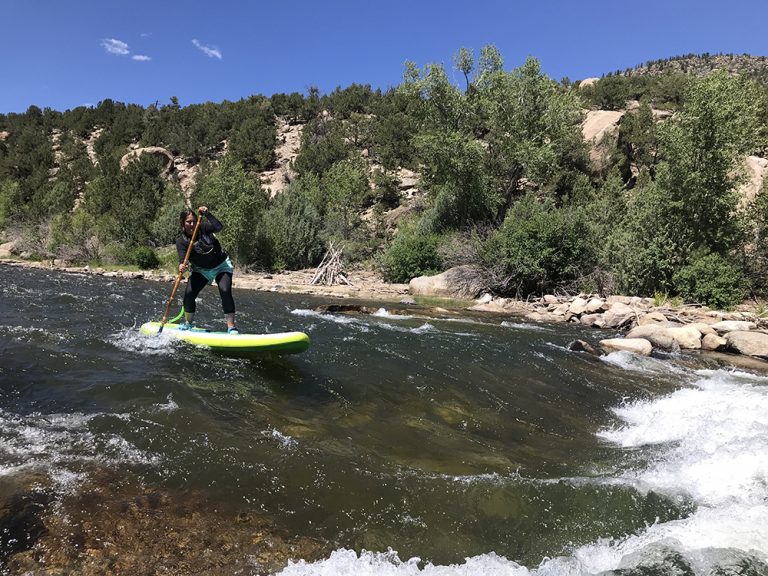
x,y
67,53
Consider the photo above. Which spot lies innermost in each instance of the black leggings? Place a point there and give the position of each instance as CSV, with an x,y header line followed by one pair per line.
x,y
197,282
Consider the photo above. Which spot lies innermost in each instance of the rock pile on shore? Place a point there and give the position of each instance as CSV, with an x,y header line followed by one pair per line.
x,y
648,327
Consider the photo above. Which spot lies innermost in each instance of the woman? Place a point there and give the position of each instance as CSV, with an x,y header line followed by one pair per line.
x,y
209,262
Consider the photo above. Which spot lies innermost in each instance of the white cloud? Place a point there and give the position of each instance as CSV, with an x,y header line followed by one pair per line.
x,y
115,46
141,58
210,51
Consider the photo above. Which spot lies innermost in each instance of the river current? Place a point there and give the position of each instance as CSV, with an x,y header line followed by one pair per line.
x,y
402,443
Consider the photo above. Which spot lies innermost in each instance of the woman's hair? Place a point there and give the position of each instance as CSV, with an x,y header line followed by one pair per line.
x,y
183,216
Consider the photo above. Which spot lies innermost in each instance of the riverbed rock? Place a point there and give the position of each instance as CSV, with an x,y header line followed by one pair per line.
x,y
21,522
578,306
618,315
596,305
596,320
656,335
639,346
713,342
561,310
651,318
749,343
582,346
726,326
703,328
345,309
668,337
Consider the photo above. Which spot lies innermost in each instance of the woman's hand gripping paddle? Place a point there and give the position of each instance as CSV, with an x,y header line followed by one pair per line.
x,y
181,273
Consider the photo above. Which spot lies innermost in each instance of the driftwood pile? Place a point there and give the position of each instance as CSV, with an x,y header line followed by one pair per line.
x,y
331,270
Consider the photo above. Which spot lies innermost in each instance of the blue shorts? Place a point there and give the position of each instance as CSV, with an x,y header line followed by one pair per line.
x,y
211,273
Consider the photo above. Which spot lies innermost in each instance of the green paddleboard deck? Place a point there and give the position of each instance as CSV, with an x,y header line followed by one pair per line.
x,y
282,343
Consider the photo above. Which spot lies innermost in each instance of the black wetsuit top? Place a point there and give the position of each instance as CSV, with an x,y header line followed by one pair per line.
x,y
206,251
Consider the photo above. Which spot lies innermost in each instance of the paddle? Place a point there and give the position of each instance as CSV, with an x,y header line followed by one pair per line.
x,y
181,273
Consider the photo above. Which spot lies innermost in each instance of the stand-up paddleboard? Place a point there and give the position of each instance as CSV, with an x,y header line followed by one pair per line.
x,y
282,343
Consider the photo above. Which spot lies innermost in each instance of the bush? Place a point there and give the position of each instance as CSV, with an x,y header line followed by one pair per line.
x,y
538,248
711,280
292,226
412,253
145,258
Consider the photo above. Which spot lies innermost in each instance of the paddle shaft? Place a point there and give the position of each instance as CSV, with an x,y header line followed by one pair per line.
x,y
181,273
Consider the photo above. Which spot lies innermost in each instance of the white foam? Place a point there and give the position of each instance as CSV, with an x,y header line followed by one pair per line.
x,y
52,441
336,318
526,326
712,440
424,329
131,340
169,406
27,333
384,313
284,440
637,363
344,562
733,527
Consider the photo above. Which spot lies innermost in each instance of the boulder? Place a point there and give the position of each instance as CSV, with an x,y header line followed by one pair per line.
x,y
688,337
713,342
457,282
550,299
668,337
726,326
703,328
485,298
651,318
656,335
8,250
618,299
634,345
596,320
578,306
618,315
596,305
748,343
581,346
561,310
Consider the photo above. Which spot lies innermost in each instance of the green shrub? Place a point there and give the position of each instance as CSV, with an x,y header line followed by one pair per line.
x,y
145,258
412,253
711,280
292,227
538,248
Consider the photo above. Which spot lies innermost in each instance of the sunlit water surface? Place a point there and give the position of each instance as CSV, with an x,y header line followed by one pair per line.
x,y
410,444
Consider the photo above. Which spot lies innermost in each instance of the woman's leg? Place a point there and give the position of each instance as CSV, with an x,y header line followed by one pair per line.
x,y
195,284
224,282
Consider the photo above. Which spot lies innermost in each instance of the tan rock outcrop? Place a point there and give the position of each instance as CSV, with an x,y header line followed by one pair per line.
x,y
749,343
635,345
713,342
667,337
166,156
733,326
457,282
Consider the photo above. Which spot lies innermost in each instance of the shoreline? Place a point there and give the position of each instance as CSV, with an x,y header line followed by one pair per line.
x,y
636,314
364,285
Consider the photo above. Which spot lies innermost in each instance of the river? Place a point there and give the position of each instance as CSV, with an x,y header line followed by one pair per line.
x,y
397,444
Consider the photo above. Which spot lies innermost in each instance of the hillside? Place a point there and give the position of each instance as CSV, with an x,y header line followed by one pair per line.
x,y
631,184
755,67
